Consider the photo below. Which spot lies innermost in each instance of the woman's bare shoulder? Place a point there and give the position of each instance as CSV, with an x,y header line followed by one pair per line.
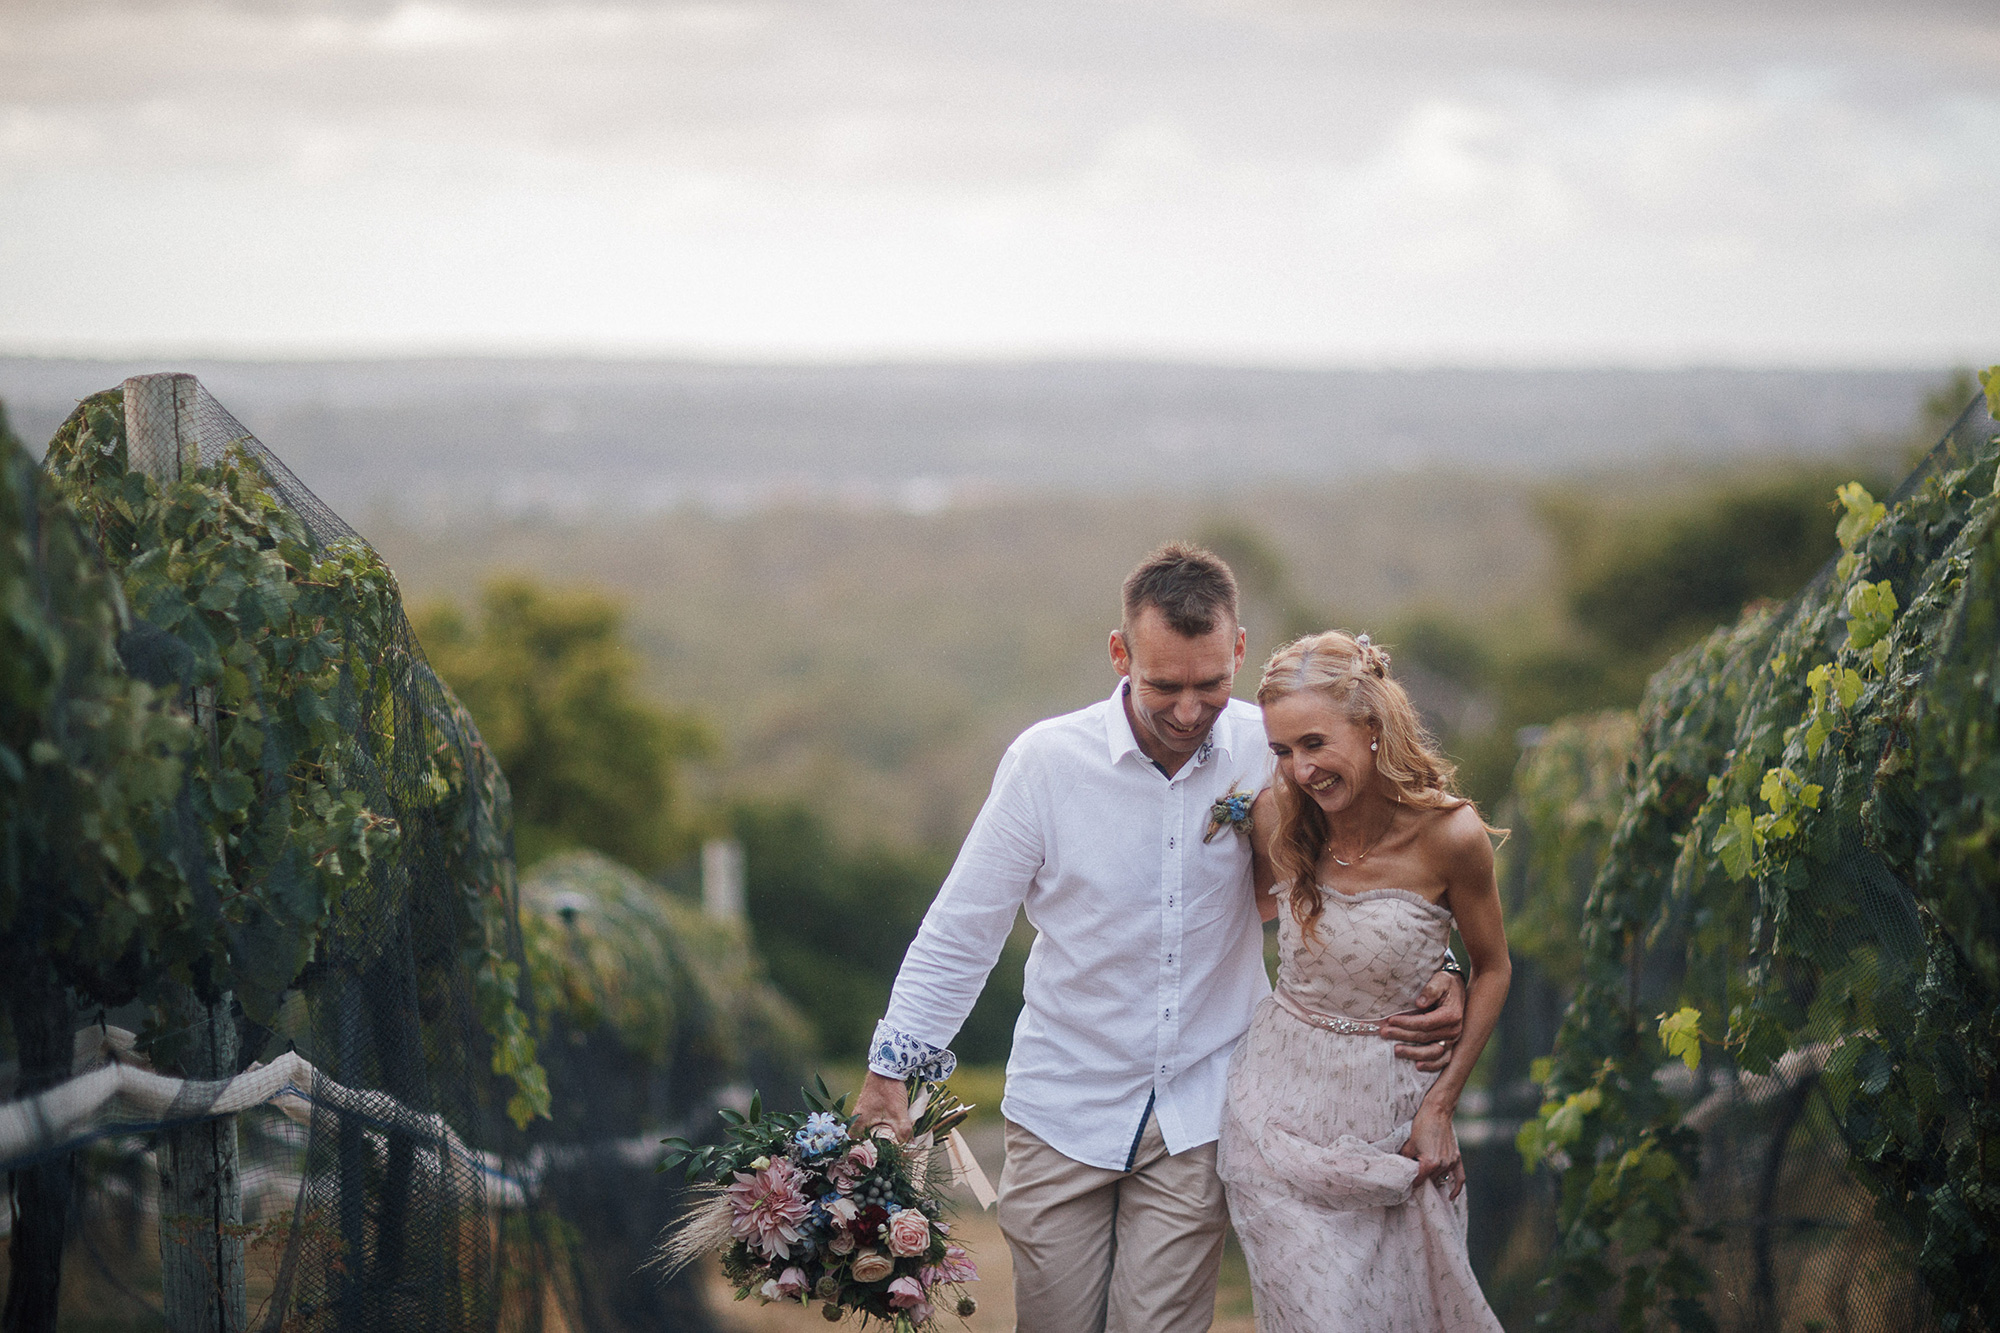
x,y
1457,835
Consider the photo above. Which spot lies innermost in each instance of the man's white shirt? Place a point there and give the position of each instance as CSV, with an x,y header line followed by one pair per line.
x,y
1148,956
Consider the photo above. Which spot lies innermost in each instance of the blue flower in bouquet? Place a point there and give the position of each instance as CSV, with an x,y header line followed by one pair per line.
x,y
823,1133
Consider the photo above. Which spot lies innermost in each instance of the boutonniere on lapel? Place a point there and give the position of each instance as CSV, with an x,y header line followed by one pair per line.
x,y
1231,812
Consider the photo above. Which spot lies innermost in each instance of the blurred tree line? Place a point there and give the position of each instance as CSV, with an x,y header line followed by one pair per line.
x,y
550,681
594,767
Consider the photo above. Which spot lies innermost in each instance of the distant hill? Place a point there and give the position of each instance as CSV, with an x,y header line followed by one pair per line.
x,y
573,438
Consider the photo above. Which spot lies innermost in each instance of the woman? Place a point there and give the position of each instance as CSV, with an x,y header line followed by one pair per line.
x,y
1343,1173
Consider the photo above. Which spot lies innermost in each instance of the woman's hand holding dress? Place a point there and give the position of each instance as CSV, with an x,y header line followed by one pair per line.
x,y
1434,1144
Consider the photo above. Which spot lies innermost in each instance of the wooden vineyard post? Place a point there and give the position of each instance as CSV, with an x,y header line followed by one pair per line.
x,y
201,1190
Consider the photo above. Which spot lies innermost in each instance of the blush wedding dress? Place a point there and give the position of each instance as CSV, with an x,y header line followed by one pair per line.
x,y
1337,1233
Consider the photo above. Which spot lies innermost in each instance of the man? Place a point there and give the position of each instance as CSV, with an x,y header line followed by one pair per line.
x,y
1147,962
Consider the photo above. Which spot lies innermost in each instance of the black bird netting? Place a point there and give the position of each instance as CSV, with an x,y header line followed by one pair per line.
x,y
272,1026
1795,895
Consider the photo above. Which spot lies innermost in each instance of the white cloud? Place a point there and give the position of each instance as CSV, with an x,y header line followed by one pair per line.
x,y
1333,180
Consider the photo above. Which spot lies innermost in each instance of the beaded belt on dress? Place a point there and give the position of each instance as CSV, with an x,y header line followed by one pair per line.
x,y
1329,1022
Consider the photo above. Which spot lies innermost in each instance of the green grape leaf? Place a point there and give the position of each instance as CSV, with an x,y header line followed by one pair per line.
x,y
1871,613
1565,1123
1864,514
1680,1033
1735,843
1532,1142
232,791
1777,789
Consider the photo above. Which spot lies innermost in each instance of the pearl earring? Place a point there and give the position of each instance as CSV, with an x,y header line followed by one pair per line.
x,y
1372,746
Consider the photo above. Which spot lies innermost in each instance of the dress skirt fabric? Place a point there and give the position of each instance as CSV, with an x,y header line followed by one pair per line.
x,y
1337,1234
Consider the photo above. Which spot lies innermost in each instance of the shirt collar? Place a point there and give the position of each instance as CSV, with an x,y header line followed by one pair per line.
x,y
1120,740
1118,728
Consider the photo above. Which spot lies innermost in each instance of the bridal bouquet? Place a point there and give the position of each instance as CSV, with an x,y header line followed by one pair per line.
x,y
802,1209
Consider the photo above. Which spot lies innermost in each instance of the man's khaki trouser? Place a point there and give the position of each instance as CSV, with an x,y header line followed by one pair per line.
x,y
1099,1251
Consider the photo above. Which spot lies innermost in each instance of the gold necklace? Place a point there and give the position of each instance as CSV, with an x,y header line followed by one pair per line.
x,y
1349,865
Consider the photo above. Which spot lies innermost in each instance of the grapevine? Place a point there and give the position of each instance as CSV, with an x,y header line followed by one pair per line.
x,y
291,652
1803,867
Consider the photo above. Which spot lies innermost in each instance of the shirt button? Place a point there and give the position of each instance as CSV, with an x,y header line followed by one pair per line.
x,y
1170,843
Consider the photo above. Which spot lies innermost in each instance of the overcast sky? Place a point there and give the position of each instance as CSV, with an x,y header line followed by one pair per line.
x,y
1316,181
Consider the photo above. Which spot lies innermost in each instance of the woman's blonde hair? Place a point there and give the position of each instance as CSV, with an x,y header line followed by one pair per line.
x,y
1353,675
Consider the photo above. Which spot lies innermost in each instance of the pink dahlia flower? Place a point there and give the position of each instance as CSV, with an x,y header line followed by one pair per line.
x,y
957,1267
766,1209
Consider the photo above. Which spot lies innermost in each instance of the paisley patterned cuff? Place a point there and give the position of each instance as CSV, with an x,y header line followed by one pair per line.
x,y
894,1054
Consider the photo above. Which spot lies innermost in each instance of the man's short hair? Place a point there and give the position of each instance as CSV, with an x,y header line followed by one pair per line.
x,y
1191,586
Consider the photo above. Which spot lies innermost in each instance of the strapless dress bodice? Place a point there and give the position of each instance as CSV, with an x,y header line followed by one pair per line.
x,y
1369,955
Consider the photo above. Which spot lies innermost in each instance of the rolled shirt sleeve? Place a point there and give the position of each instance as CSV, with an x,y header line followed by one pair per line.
x,y
894,1054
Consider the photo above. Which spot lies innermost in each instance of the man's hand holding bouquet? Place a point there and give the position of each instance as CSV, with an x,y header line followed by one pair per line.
x,y
807,1206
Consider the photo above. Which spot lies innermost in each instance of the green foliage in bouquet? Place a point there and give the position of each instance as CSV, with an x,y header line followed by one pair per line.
x,y
288,651
801,1208
1803,867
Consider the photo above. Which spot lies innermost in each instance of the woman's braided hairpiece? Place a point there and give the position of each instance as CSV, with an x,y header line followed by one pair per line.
x,y
1369,658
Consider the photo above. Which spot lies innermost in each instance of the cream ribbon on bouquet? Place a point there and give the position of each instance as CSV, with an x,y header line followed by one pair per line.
x,y
965,1169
